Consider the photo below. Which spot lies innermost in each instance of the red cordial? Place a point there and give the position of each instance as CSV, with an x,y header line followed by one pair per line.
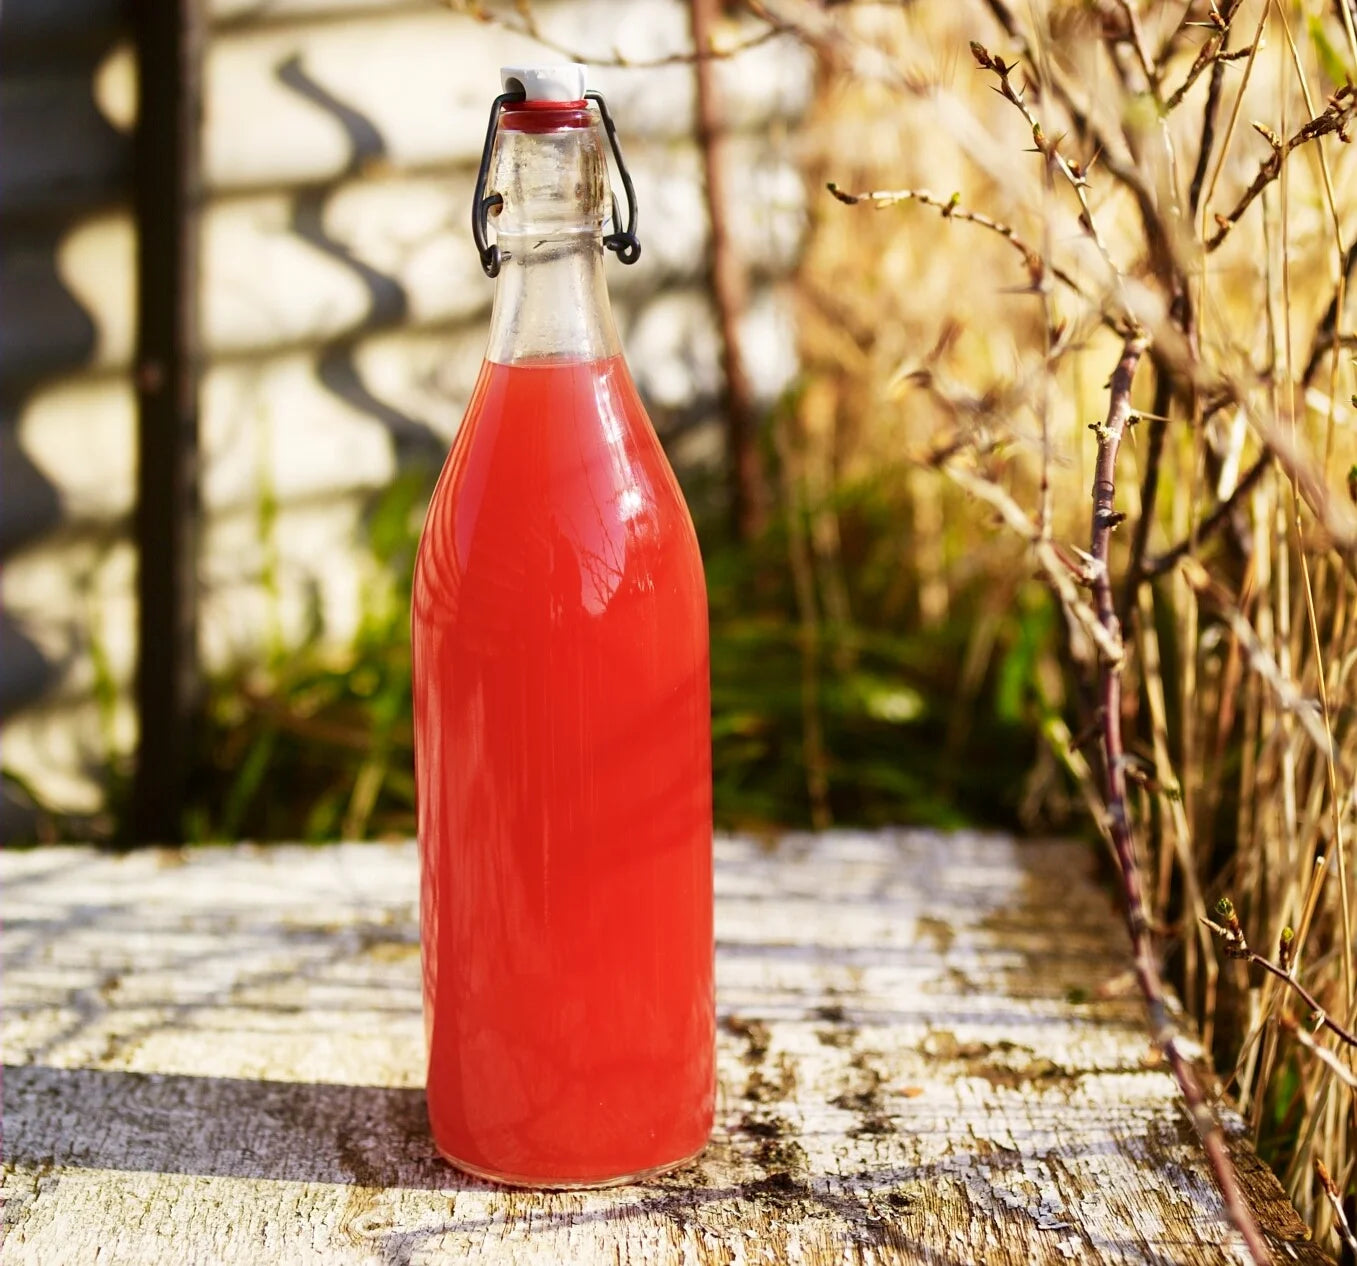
x,y
562,732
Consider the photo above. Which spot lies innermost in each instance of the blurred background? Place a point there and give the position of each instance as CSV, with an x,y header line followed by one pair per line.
x,y
336,329
340,321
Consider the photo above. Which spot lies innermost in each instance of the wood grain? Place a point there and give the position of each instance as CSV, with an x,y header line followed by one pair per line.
x,y
216,1056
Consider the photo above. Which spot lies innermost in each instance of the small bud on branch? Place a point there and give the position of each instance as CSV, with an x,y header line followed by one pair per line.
x,y
1284,949
1236,946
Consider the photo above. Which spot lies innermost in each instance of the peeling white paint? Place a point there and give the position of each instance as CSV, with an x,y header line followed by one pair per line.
x,y
216,1057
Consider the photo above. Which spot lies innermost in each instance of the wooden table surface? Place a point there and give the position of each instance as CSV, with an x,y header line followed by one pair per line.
x,y
215,1055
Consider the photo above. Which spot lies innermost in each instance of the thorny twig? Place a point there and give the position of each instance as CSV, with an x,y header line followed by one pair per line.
x,y
1231,932
1048,149
1335,1199
1110,159
1209,53
951,209
1333,119
1105,519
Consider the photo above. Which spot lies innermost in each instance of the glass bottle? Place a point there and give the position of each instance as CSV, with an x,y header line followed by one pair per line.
x,y
562,716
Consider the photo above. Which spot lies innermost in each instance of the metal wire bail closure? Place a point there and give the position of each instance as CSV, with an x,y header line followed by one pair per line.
x,y
623,242
481,206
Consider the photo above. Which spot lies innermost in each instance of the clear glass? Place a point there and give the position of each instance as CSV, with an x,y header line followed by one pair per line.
x,y
551,297
562,730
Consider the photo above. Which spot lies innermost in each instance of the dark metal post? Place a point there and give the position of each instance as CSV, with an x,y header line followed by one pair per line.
x,y
168,181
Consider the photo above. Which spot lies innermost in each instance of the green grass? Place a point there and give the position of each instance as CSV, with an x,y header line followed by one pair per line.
x,y
317,744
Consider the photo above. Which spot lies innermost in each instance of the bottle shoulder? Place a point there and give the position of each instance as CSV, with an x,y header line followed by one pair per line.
x,y
557,483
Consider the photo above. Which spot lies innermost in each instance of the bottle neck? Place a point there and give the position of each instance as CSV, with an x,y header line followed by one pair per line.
x,y
551,298
551,301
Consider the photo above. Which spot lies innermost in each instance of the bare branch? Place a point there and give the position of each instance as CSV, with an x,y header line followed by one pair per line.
x,y
1211,524
951,209
1209,54
1326,332
730,292
1334,119
1146,966
524,22
1048,149
1231,932
1110,157
1208,132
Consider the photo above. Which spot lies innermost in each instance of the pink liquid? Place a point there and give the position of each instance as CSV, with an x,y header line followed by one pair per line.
x,y
562,737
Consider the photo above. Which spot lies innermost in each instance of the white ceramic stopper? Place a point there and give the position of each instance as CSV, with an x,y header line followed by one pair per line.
x,y
545,83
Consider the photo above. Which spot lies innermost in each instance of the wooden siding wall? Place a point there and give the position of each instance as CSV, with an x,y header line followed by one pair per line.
x,y
343,310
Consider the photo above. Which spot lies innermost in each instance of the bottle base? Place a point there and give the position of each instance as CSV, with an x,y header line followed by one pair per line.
x,y
589,1184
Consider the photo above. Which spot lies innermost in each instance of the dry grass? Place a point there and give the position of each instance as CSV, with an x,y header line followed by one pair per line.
x,y
934,343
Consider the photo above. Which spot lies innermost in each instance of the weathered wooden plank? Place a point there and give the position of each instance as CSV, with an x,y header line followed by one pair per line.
x,y
216,1055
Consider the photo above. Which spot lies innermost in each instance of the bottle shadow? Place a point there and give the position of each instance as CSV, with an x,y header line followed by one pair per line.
x,y
377,1137
371,1136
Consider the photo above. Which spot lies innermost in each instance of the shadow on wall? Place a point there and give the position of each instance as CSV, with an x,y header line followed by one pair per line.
x,y
64,162
388,305
61,161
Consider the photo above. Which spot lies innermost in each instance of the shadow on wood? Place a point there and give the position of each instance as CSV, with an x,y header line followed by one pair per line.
x,y
222,1126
